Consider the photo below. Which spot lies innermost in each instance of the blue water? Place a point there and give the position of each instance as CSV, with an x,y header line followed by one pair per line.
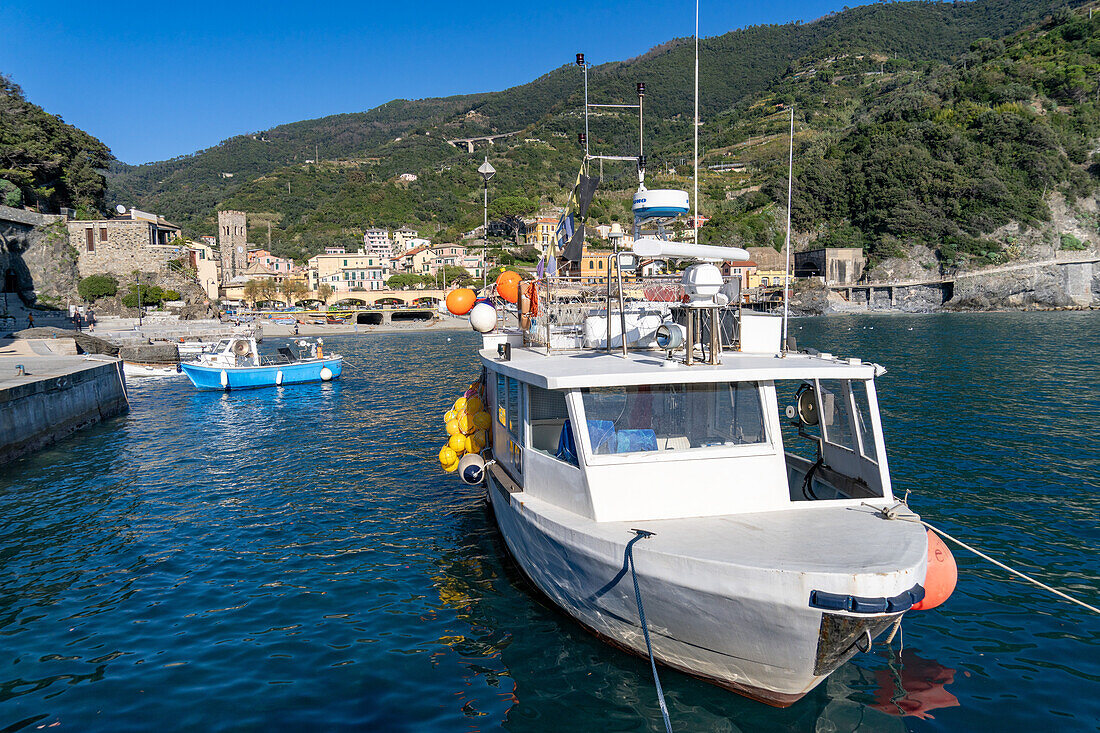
x,y
293,559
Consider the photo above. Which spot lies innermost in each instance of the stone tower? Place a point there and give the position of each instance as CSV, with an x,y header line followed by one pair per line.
x,y
233,243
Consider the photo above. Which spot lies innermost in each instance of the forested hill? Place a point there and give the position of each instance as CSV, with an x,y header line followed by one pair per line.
x,y
43,161
737,65
893,154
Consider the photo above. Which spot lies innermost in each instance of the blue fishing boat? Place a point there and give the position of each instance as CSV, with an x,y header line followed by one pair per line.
x,y
236,364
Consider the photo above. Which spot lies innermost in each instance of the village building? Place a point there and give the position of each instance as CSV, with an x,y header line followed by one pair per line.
x,y
740,270
344,272
405,239
377,242
837,265
120,246
203,259
277,265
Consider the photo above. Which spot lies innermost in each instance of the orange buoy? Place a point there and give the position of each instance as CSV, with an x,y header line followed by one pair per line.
x,y
508,286
941,576
460,301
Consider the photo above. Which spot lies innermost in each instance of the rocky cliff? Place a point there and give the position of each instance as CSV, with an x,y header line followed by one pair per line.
x,y
36,260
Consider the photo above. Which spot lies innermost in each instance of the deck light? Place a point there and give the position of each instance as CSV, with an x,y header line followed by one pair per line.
x,y
669,336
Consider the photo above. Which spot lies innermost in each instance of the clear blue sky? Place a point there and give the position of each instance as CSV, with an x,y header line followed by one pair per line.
x,y
161,79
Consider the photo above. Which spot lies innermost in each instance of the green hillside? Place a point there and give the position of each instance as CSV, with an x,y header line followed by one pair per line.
x,y
44,162
331,199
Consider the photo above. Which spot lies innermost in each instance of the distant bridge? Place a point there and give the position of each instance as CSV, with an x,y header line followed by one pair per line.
x,y
469,141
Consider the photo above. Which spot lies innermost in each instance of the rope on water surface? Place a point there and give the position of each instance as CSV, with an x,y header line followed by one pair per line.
x,y
641,534
892,514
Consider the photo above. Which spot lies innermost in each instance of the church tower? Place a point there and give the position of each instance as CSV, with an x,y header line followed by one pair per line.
x,y
233,243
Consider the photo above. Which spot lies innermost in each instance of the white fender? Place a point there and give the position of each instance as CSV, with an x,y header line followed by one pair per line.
x,y
326,374
225,378
279,378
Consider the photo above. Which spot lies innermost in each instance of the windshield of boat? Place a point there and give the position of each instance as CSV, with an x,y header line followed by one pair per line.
x,y
673,417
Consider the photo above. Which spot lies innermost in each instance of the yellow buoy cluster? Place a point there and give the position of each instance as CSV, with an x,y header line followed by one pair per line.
x,y
467,428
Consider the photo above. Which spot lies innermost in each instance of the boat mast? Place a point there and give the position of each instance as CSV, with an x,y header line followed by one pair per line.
x,y
695,197
787,269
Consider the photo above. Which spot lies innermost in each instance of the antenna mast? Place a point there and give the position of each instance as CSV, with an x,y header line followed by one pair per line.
x,y
787,269
695,197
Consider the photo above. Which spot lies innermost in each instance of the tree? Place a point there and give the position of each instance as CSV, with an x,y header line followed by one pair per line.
x,y
150,295
404,281
324,291
268,289
95,287
293,290
512,206
451,275
253,291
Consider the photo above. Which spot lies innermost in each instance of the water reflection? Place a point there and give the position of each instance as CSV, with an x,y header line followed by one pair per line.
x,y
914,686
293,556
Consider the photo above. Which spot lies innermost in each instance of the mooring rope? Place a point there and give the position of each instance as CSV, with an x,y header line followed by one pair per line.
x,y
641,534
892,514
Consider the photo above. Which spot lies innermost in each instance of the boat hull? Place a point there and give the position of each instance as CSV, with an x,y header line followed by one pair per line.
x,y
742,635
136,369
228,378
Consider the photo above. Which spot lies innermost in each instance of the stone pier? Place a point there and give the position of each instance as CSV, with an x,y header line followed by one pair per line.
x,y
54,397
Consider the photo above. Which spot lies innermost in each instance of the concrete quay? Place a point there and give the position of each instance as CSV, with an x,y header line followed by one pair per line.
x,y
54,397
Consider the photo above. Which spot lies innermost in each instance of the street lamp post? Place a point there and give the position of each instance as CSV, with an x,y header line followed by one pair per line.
x,y
137,280
486,170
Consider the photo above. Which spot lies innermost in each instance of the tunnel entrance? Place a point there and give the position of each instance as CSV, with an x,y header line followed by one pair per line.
x,y
369,319
409,315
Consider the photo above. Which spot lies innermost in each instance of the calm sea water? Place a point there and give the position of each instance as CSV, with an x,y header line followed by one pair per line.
x,y
293,559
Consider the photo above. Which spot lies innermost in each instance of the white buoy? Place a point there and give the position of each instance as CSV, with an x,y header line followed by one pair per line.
x,y
225,378
326,374
279,378
483,318
471,469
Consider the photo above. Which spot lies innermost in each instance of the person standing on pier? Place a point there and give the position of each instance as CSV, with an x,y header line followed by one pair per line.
x,y
30,320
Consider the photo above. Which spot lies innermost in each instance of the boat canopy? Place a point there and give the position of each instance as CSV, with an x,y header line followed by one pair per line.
x,y
599,369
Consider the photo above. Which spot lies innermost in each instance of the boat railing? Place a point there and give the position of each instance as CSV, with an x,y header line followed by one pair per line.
x,y
589,312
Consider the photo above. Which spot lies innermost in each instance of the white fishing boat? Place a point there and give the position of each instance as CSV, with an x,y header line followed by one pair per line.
x,y
762,567
674,475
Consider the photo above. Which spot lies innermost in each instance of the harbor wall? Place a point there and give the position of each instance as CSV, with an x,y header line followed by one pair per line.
x,y
39,411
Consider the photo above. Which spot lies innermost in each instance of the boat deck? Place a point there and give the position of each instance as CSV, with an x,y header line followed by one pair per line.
x,y
814,539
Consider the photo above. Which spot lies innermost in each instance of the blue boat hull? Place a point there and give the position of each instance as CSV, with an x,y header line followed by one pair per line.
x,y
210,377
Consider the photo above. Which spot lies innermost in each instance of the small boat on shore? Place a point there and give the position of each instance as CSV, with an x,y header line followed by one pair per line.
x,y
141,369
236,364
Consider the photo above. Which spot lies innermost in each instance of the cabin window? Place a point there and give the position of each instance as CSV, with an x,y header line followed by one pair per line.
x,y
673,417
863,421
551,430
836,418
508,431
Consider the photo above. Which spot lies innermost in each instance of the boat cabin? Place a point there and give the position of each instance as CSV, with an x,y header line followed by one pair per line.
x,y
638,436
